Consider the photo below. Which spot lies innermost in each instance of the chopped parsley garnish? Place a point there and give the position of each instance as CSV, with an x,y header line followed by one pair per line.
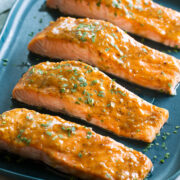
x,y
94,82
44,125
73,90
32,71
23,139
40,71
41,20
70,130
144,50
54,138
49,133
170,85
108,175
31,34
155,157
60,135
83,36
122,93
101,94
98,3
115,3
89,101
29,118
80,155
62,90
89,135
162,161
107,49
167,155
93,39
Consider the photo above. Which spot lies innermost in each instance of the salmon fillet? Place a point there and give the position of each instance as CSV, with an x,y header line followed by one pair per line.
x,y
69,147
143,17
104,45
82,91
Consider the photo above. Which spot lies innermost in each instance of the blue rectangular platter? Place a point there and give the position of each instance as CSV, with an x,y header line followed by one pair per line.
x,y
28,17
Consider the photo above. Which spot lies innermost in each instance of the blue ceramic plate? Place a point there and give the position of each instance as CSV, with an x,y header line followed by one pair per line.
x,y
27,18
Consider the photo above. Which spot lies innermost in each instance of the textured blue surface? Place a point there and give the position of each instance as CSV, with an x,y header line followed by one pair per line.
x,y
29,16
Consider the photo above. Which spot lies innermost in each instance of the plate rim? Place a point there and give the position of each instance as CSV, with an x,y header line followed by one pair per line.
x,y
5,30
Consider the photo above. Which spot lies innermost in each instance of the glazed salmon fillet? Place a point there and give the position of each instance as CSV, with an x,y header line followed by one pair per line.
x,y
82,91
69,147
105,46
143,17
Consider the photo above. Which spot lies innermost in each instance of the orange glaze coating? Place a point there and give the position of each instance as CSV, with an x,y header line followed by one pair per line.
x,y
70,147
141,17
83,91
104,45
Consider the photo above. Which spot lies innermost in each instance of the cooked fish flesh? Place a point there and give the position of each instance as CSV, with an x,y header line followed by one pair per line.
x,y
82,91
69,147
105,46
141,17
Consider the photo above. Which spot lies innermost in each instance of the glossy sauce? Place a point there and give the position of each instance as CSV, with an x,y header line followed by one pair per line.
x,y
142,17
76,147
118,53
99,99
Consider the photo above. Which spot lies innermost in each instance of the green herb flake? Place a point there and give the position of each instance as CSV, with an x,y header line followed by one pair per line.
x,y
122,93
49,133
83,36
164,137
167,155
101,94
170,85
40,72
62,90
80,155
29,118
162,161
32,71
5,60
164,145
21,131
61,136
54,138
89,101
93,39
73,90
159,11
144,50
40,20
89,135
44,125
31,34
94,82
155,157
98,3
107,49
116,4
108,175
